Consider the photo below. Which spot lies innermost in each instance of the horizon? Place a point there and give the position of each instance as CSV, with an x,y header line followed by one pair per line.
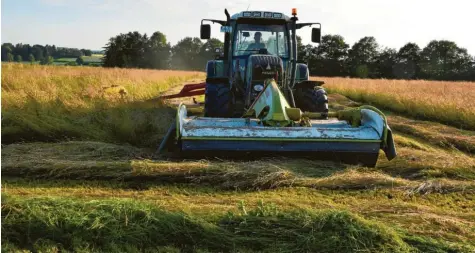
x,y
91,23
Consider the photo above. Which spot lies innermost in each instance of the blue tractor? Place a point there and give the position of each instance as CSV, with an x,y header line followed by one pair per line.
x,y
259,100
259,45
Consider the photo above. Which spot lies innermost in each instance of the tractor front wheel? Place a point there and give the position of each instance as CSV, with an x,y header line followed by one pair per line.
x,y
217,100
311,99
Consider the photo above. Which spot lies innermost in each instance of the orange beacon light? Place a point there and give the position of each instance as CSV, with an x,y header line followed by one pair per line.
x,y
294,11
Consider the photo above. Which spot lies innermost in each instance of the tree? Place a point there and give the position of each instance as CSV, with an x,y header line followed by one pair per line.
x,y
301,50
18,58
6,50
31,58
330,56
9,57
158,51
80,60
362,56
127,50
185,54
208,51
47,60
86,52
385,63
444,60
37,51
408,62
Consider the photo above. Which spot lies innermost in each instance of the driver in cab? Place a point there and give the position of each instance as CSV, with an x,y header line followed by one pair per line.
x,y
257,42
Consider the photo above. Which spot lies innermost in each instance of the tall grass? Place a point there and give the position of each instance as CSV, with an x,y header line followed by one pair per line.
x,y
451,103
57,102
112,225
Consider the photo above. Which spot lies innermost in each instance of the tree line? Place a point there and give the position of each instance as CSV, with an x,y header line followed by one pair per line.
x,y
134,50
44,54
438,60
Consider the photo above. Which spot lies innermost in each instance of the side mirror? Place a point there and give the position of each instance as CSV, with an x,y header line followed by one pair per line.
x,y
316,35
205,32
246,34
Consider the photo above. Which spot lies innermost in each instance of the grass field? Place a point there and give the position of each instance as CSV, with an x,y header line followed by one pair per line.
x,y
78,174
447,102
93,59
55,103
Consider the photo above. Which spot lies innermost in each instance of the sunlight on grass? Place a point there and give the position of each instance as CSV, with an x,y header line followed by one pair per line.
x,y
447,102
57,103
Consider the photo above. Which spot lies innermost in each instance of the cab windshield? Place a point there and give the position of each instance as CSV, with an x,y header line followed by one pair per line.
x,y
250,38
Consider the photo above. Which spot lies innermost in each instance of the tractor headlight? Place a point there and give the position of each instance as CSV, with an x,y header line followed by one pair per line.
x,y
258,87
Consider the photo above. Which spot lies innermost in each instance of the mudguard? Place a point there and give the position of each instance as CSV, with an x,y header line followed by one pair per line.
x,y
390,148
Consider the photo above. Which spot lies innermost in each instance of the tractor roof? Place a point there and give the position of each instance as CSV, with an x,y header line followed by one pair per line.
x,y
260,14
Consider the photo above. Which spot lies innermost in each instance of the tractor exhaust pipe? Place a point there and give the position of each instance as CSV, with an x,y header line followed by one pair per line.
x,y
294,60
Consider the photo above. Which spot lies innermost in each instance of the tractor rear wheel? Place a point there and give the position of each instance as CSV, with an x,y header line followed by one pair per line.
x,y
217,100
311,99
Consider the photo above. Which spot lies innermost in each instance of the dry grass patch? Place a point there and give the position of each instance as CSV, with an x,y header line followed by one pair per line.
x,y
51,103
447,102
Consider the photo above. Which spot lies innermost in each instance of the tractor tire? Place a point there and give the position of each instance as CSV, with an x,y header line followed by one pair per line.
x,y
217,100
311,99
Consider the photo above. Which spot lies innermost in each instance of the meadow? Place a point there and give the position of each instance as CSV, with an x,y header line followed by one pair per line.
x,y
450,103
54,103
79,174
93,59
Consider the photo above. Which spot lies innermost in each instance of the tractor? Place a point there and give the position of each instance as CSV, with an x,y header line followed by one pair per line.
x,y
259,99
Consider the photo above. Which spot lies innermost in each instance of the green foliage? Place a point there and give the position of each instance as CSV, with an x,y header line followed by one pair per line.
x,y
73,224
208,51
445,60
104,225
363,53
47,60
80,60
18,58
115,225
31,58
86,52
40,51
7,50
138,51
9,57
329,58
186,54
385,62
440,60
408,62
362,71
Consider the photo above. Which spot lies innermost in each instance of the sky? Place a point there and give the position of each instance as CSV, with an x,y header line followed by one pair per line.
x,y
90,23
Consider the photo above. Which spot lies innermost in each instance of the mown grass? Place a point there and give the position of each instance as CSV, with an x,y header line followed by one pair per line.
x,y
97,188
436,134
418,131
447,102
418,208
95,160
51,103
115,225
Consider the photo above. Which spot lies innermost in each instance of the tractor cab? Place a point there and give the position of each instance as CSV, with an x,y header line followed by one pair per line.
x,y
258,45
261,39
